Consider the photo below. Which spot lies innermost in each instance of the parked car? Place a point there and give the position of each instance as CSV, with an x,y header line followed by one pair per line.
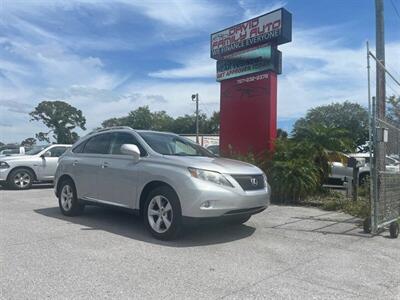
x,y
38,164
167,179
14,150
341,172
214,149
9,151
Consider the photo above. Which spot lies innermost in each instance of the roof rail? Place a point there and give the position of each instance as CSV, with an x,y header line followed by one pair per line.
x,y
110,128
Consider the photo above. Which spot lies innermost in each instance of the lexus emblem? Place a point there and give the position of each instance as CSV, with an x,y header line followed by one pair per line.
x,y
254,181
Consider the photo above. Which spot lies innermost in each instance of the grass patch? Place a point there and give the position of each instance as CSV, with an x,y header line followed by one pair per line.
x,y
336,201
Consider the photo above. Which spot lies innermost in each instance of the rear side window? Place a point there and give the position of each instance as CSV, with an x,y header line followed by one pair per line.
x,y
121,138
99,144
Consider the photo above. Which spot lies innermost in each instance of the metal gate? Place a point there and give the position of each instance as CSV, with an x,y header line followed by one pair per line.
x,y
385,157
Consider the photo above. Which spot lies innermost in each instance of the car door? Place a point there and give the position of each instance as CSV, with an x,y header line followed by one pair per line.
x,y
119,175
49,161
87,163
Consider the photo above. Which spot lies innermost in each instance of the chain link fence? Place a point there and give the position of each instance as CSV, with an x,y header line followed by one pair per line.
x,y
385,157
388,180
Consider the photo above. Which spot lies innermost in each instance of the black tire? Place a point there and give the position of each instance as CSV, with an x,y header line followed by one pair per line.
x,y
69,206
238,220
173,214
20,179
394,230
367,225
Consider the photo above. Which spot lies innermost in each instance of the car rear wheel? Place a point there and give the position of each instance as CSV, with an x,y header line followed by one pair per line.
x,y
20,179
67,199
162,213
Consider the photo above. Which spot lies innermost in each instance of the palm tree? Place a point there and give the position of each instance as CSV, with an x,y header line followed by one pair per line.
x,y
322,141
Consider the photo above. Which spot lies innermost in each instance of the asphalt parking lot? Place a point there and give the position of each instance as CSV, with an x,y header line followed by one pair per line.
x,y
284,252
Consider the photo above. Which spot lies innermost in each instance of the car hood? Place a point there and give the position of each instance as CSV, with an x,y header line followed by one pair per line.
x,y
222,165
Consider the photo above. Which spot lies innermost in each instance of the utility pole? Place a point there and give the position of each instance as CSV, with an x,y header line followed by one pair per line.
x,y
195,97
380,80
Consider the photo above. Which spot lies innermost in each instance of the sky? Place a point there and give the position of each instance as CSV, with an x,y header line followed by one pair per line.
x,y
110,57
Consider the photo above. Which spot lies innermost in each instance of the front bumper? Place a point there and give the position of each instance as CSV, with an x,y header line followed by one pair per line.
x,y
202,199
4,173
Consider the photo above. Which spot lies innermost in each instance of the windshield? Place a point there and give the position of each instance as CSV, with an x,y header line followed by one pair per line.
x,y
170,144
36,150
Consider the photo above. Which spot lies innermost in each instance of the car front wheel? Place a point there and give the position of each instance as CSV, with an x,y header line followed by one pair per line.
x,y
162,213
20,179
67,199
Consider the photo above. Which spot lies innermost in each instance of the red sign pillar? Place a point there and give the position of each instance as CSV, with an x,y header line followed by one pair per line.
x,y
248,114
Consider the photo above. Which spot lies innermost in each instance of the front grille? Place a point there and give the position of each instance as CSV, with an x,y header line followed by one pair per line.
x,y
250,182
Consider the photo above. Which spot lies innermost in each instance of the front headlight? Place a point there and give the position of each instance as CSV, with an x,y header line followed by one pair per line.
x,y
4,165
211,176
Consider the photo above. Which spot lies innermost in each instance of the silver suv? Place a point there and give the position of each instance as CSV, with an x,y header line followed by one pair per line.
x,y
163,177
38,164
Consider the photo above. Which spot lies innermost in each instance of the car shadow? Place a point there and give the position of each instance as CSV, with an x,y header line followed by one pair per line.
x,y
131,226
35,186
326,224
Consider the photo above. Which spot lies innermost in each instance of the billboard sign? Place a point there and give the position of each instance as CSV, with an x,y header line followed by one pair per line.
x,y
275,27
263,58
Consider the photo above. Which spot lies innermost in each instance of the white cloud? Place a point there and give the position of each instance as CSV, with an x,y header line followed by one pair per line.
x,y
193,65
318,71
252,9
183,14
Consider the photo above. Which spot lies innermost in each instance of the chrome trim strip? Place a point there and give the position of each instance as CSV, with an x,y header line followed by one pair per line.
x,y
104,202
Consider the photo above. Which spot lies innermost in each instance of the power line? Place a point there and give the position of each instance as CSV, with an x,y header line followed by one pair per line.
x,y
395,8
396,92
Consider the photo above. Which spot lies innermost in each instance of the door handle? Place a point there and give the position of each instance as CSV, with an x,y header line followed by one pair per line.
x,y
74,163
104,165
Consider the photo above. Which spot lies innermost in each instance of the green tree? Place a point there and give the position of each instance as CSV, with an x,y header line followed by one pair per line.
x,y
321,142
161,121
123,121
143,118
347,115
185,124
140,118
28,142
213,123
393,111
61,118
292,173
280,133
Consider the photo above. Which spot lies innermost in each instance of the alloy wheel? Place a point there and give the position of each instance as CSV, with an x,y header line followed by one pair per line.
x,y
22,179
67,196
160,214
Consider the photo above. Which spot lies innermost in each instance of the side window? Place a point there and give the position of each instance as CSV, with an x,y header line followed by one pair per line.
x,y
79,148
125,138
57,151
99,144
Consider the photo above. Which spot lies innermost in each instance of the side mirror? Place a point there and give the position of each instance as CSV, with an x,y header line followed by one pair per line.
x,y
46,154
130,149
